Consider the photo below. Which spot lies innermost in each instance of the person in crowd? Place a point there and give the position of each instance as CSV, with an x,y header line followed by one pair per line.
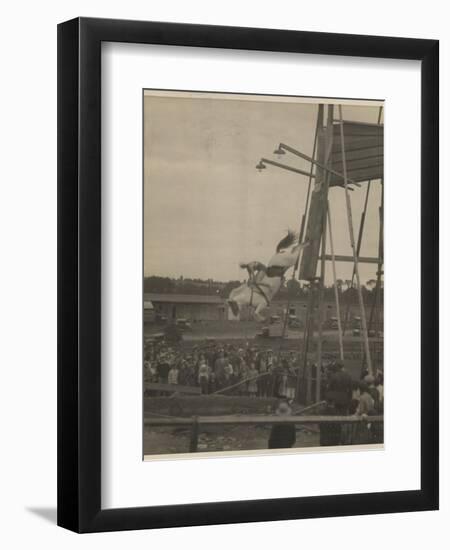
x,y
270,374
243,376
330,433
379,384
203,376
150,374
228,374
163,368
291,383
366,407
212,381
253,382
173,374
264,378
219,369
182,371
356,394
366,404
370,381
364,373
282,380
339,388
282,435
191,372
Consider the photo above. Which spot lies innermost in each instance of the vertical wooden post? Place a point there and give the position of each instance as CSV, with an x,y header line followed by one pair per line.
x,y
302,374
320,311
336,291
352,242
193,443
306,335
313,234
376,304
325,155
358,247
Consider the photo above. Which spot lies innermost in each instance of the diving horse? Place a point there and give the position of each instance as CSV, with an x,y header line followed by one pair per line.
x,y
265,281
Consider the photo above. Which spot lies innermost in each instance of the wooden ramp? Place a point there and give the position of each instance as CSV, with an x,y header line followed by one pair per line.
x,y
172,388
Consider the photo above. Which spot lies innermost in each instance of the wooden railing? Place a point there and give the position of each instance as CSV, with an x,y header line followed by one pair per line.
x,y
196,421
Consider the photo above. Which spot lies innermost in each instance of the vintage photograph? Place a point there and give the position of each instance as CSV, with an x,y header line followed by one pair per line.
x,y
263,274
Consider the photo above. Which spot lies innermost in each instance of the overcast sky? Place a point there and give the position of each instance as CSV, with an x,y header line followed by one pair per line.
x,y
206,207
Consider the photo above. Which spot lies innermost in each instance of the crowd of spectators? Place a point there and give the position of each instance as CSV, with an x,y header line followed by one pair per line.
x,y
227,368
257,371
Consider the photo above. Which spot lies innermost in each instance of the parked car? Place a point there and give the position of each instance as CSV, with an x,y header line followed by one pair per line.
x,y
331,323
183,324
161,319
294,322
356,322
154,338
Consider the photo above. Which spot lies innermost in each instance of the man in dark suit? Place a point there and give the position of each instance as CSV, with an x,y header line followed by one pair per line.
x,y
339,389
282,436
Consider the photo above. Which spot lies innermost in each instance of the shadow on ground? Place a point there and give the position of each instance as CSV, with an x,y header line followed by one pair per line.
x,y
47,514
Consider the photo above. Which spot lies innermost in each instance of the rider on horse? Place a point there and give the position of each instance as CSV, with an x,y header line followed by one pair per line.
x,y
265,281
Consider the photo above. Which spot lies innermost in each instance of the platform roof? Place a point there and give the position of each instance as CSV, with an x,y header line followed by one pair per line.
x,y
364,152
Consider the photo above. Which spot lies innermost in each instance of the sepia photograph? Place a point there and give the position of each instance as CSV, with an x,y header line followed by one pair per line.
x,y
263,275
224,236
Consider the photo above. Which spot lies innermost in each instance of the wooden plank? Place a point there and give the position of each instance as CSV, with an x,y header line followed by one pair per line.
x,y
255,419
357,143
361,259
172,388
363,174
352,128
359,163
356,154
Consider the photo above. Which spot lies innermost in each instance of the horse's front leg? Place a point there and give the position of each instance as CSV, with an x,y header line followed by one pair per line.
x,y
236,298
258,310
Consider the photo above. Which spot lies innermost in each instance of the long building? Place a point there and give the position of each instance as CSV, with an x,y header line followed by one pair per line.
x,y
194,307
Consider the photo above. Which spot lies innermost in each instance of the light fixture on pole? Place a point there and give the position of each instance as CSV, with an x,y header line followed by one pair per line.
x,y
279,151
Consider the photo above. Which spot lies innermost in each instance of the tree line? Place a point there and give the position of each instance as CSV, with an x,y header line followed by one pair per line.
x,y
292,289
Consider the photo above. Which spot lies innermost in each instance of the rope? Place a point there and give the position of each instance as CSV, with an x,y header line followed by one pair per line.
x,y
161,415
308,408
302,231
240,383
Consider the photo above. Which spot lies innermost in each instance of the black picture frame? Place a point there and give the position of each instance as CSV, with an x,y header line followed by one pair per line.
x,y
79,274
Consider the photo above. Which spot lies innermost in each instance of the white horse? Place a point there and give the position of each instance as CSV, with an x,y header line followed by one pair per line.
x,y
265,281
